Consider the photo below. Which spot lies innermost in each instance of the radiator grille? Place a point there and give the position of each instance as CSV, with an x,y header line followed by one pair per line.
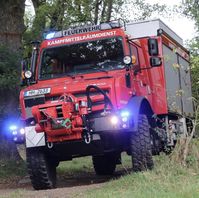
x,y
30,102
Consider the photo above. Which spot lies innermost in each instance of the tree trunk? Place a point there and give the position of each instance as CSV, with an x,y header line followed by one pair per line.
x,y
11,30
103,18
97,3
12,23
109,10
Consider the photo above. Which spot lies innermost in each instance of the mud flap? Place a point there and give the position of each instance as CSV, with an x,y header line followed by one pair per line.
x,y
34,139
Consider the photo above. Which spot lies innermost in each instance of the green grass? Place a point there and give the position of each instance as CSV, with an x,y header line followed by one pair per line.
x,y
19,193
78,165
148,185
10,169
84,164
167,180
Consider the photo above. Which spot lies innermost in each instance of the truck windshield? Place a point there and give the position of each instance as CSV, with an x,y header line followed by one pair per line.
x,y
81,58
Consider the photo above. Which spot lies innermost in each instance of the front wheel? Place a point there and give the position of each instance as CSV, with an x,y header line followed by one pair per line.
x,y
41,169
140,145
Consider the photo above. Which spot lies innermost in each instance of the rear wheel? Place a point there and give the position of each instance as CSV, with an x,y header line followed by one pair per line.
x,y
41,169
155,142
140,145
105,164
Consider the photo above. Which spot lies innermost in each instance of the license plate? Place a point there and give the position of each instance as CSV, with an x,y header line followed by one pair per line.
x,y
37,92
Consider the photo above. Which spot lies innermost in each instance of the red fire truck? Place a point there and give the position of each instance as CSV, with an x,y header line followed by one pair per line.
x,y
100,90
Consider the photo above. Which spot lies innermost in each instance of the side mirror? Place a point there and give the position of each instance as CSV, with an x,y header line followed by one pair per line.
x,y
155,61
153,47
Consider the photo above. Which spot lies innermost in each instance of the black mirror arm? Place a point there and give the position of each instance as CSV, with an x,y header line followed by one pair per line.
x,y
140,69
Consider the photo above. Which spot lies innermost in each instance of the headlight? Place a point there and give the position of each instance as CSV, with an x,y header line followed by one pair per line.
x,y
124,119
13,127
124,114
114,120
28,74
127,60
121,119
17,133
22,131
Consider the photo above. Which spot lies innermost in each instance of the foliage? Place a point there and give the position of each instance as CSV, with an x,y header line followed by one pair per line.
x,y
135,10
195,76
9,68
9,82
60,14
11,29
190,9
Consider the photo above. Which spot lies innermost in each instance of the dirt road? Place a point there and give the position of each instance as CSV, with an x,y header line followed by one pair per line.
x,y
67,186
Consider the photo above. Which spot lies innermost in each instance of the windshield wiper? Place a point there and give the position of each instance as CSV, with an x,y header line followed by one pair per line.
x,y
104,62
69,75
63,75
100,69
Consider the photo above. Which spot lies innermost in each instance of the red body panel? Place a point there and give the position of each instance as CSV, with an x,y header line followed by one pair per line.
x,y
149,83
154,80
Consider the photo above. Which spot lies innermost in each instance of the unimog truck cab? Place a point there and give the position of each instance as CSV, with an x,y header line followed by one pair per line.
x,y
100,90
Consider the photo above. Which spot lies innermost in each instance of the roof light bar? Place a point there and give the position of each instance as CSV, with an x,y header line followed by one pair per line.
x,y
86,28
80,30
50,35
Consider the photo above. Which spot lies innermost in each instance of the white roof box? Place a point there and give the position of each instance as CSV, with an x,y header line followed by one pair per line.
x,y
149,28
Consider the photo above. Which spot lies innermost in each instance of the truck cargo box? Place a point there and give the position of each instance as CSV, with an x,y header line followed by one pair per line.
x,y
150,28
176,64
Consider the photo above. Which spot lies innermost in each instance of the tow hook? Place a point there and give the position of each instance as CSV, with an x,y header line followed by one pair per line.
x,y
50,145
87,138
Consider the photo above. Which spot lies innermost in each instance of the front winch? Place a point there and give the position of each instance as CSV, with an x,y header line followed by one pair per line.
x,y
66,123
61,120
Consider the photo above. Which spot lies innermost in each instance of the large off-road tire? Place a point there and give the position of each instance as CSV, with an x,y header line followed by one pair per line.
x,y
41,169
104,164
140,145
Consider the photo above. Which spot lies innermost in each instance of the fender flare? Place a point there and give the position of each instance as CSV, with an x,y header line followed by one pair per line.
x,y
139,105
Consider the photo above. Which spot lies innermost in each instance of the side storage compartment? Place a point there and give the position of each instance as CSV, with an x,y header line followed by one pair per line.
x,y
178,81
185,77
